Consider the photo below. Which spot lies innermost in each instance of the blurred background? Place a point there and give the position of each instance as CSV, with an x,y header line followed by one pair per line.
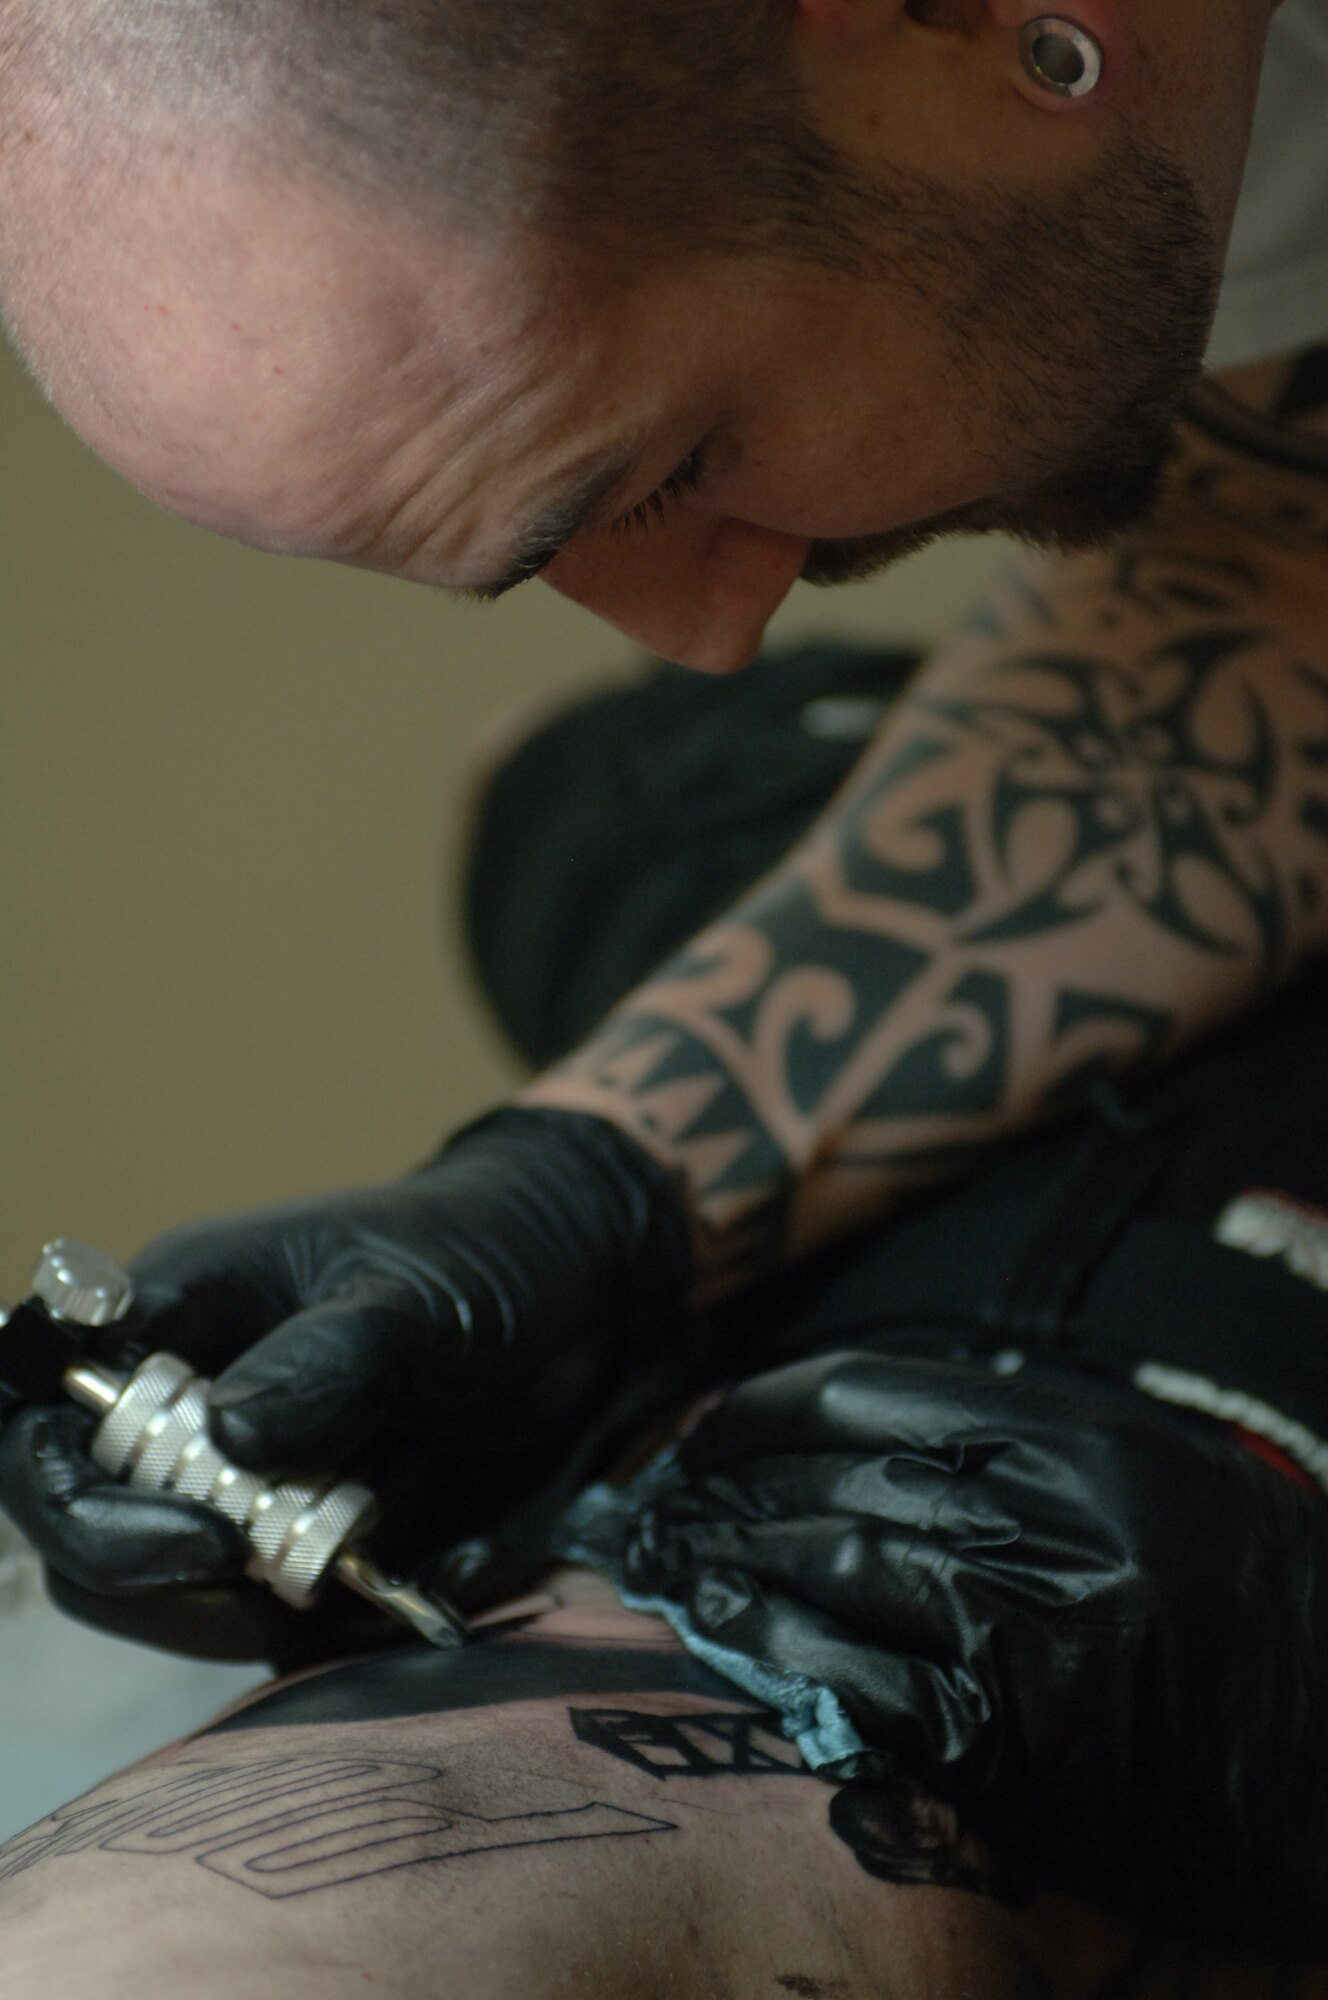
x,y
231,800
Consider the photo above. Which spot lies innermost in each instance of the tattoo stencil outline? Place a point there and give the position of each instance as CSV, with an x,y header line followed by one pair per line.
x,y
290,1826
898,1833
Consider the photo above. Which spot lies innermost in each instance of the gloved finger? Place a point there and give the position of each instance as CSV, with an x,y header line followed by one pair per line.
x,y
851,1401
929,1719
321,1388
505,1561
102,1535
485,1571
906,1488
906,1583
1020,1495
881,1585
204,1293
239,1622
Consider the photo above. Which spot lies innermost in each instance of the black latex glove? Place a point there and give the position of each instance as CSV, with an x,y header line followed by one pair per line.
x,y
444,1337
1098,1625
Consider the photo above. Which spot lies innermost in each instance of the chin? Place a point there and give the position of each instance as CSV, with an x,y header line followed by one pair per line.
x,y
1110,486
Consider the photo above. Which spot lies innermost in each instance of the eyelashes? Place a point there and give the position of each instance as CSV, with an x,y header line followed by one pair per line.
x,y
686,479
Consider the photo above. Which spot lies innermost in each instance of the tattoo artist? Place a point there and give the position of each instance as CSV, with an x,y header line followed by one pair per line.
x,y
671,305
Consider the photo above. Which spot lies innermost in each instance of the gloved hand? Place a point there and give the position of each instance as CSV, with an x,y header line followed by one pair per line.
x,y
1097,1624
443,1337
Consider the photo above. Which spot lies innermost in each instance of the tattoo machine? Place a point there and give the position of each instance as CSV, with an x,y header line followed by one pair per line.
x,y
153,1434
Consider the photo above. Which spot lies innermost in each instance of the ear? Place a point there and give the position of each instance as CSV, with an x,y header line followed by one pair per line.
x,y
1098,18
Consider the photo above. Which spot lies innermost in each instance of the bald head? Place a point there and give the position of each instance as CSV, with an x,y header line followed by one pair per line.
x,y
286,370
570,116
461,291
540,121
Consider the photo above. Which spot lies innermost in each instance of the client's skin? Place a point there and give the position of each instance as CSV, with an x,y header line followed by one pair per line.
x,y
572,1806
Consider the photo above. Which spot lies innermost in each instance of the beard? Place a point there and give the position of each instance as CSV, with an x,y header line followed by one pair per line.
x,y
1073,331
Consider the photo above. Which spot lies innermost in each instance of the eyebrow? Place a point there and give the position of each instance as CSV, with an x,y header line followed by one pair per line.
x,y
547,534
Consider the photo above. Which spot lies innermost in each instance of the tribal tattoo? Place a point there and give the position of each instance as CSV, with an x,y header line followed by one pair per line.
x,y
1088,831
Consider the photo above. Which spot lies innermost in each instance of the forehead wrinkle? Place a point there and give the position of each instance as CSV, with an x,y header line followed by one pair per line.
x,y
366,534
554,524
490,468
250,379
445,460
384,534
393,465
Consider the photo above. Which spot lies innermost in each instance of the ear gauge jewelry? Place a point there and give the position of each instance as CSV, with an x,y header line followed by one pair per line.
x,y
1061,57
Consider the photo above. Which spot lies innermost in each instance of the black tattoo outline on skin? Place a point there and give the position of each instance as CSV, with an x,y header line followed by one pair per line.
x,y
721,1744
898,1832
294,1825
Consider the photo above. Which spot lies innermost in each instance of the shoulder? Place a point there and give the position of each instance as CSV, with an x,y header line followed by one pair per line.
x,y
1276,410
1251,470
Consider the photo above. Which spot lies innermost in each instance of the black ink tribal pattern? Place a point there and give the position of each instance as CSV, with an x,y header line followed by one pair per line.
x,y
1091,830
1151,809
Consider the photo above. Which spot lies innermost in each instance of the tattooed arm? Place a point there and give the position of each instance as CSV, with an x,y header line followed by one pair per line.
x,y
1095,825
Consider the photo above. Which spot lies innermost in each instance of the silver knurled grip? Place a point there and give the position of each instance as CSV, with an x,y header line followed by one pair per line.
x,y
154,1435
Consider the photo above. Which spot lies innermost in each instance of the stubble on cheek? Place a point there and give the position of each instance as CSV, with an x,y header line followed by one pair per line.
x,y
1074,332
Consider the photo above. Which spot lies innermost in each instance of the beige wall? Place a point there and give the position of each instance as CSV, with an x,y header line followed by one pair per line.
x,y
228,787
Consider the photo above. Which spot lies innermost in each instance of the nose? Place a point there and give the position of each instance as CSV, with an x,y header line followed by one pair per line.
x,y
695,589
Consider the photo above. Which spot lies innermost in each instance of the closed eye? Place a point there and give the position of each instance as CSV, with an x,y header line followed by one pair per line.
x,y
686,479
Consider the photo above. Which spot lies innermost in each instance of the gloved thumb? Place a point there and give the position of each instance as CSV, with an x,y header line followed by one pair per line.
x,y
104,1536
318,1390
